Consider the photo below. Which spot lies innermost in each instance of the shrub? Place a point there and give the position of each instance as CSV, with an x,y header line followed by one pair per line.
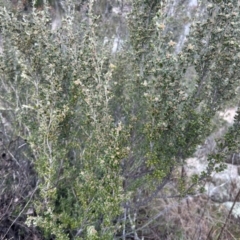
x,y
106,133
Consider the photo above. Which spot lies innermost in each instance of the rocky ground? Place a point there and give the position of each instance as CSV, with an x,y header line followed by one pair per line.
x,y
223,187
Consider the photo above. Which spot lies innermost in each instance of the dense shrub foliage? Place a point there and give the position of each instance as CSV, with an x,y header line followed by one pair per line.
x,y
104,134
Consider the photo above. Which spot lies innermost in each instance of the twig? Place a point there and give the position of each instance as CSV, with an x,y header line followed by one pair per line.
x,y
209,233
154,218
21,211
230,212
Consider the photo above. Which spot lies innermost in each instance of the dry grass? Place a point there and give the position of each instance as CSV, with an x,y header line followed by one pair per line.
x,y
189,219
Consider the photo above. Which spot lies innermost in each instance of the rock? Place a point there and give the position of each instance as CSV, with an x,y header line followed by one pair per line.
x,y
230,174
221,193
223,186
236,209
234,159
195,166
228,115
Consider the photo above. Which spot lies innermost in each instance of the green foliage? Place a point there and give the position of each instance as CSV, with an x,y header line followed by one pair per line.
x,y
178,119
61,101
